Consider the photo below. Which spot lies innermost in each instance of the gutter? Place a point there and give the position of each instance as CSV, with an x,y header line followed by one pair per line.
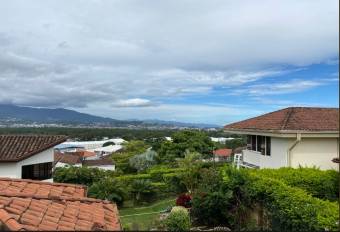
x,y
298,139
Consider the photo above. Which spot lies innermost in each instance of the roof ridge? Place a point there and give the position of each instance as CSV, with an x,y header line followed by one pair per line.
x,y
286,119
53,197
42,182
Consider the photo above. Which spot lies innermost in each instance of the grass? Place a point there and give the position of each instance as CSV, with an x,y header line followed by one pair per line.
x,y
141,218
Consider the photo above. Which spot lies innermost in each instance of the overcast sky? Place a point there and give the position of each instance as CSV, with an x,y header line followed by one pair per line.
x,y
186,60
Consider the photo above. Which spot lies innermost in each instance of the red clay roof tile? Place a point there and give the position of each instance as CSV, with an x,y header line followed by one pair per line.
x,y
18,147
22,211
292,119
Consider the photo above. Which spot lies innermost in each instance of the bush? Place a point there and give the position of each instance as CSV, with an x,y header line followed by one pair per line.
x,y
174,182
178,219
108,189
211,209
184,200
143,161
292,208
80,175
321,184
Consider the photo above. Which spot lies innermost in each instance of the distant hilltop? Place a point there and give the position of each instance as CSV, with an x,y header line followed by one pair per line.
x,y
23,116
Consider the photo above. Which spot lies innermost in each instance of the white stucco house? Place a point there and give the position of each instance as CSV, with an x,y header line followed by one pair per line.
x,y
28,156
291,137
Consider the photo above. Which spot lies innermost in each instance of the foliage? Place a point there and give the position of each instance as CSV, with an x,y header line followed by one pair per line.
x,y
235,143
186,140
155,143
80,175
142,190
211,208
173,180
143,161
321,184
108,189
293,209
109,143
184,200
178,219
130,149
192,165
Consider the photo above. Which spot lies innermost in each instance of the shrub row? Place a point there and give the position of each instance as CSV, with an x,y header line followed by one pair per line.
x,y
292,208
321,184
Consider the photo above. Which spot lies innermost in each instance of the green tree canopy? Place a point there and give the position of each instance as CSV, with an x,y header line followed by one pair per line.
x,y
186,140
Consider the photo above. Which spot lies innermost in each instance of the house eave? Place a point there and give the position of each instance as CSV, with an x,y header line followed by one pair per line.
x,y
285,133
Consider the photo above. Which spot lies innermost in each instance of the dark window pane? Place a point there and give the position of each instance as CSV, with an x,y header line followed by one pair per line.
x,y
268,146
253,142
40,171
259,143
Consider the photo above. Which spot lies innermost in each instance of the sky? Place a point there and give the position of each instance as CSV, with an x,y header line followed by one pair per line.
x,y
207,61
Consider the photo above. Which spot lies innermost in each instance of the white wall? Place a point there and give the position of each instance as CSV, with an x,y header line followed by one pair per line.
x,y
315,151
308,152
13,169
10,170
275,160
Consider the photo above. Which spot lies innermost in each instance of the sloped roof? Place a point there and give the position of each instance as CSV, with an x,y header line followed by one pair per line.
x,y
66,158
225,152
40,188
82,153
99,162
311,119
27,210
18,147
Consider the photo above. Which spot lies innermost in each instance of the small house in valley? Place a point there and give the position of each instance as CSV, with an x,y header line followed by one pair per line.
x,y
291,137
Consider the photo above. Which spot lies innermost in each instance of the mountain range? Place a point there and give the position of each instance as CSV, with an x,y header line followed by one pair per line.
x,y
23,115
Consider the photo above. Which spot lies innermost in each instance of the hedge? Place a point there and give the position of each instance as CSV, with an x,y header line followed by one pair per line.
x,y
292,208
321,184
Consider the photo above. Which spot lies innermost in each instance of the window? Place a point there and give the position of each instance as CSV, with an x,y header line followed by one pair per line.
x,y
40,171
268,142
259,143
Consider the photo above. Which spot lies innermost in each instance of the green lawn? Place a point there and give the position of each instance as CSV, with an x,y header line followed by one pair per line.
x,y
141,218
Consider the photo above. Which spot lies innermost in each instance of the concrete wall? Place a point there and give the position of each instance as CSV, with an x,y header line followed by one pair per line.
x,y
277,158
13,169
308,152
10,170
316,151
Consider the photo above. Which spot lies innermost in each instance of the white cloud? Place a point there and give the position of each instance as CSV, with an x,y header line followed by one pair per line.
x,y
292,86
134,102
76,53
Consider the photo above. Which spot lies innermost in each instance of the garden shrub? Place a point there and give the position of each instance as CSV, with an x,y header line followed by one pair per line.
x,y
157,173
108,189
211,208
321,184
142,190
178,219
174,182
184,200
80,175
291,208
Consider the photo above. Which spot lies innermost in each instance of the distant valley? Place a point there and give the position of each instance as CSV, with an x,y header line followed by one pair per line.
x,y
23,116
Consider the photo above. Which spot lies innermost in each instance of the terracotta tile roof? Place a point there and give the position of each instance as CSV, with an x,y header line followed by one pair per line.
x,y
18,147
27,211
40,188
83,154
103,161
66,158
223,152
292,119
